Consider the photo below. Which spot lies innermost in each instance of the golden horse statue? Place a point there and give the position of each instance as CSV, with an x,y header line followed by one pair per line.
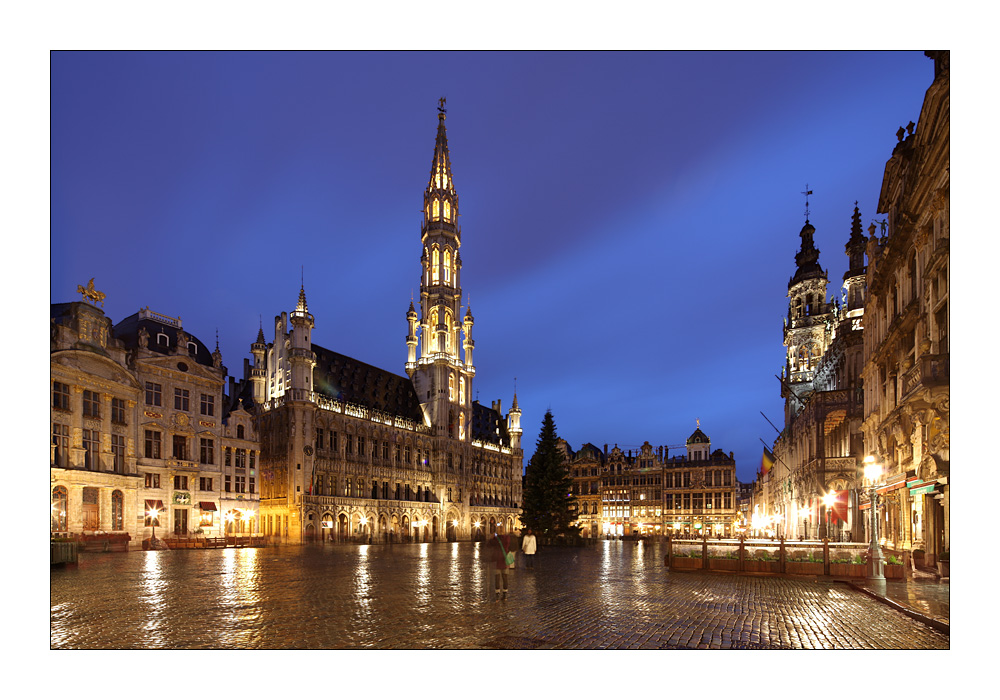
x,y
89,292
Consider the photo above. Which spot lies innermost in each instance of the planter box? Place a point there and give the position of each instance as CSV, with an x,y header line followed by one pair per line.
x,y
687,563
944,569
761,567
850,570
724,564
893,570
804,567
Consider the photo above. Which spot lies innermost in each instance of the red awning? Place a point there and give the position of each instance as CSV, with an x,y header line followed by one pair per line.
x,y
207,505
154,504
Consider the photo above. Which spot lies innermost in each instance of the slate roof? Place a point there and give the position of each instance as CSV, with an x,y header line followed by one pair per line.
x,y
127,330
347,379
488,425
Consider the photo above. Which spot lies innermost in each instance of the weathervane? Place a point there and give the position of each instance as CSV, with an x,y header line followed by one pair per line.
x,y
441,104
807,193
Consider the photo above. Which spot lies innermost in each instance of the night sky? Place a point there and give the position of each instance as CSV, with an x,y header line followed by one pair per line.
x,y
629,220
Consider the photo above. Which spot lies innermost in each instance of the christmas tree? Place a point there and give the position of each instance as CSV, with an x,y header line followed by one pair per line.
x,y
548,496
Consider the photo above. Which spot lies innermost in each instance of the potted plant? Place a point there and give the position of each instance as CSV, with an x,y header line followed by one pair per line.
x,y
918,557
944,562
893,567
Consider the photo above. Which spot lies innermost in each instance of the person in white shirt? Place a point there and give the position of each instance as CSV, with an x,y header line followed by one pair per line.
x,y
528,546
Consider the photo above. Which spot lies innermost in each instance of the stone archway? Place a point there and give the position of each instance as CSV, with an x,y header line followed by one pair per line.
x,y
394,528
404,530
326,531
342,527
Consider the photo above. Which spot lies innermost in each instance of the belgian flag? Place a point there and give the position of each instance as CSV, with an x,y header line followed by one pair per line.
x,y
766,461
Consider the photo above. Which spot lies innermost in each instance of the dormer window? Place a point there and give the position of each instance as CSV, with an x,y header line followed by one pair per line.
x,y
192,348
162,339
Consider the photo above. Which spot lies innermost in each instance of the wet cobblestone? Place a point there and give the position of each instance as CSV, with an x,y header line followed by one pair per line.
x,y
613,595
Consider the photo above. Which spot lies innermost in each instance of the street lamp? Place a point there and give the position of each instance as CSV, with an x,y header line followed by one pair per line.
x,y
873,475
828,501
153,512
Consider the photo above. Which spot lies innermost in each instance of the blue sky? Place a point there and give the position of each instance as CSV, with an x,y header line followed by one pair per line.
x,y
629,219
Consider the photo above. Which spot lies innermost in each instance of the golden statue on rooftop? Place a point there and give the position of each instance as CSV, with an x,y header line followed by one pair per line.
x,y
89,292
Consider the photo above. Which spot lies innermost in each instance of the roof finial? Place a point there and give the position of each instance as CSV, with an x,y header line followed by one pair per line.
x,y
441,109
807,192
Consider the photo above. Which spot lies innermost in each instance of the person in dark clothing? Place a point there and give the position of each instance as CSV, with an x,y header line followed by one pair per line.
x,y
496,556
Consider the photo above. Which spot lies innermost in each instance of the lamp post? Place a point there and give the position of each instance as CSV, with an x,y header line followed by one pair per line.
x,y
153,512
828,501
873,474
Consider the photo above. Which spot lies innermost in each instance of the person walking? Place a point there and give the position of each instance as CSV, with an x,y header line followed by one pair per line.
x,y
497,551
529,546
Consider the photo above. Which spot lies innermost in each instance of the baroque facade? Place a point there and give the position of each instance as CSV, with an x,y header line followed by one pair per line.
x,y
869,376
647,492
351,451
906,339
811,489
142,436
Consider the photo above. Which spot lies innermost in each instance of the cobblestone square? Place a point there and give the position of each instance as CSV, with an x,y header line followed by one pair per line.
x,y
613,595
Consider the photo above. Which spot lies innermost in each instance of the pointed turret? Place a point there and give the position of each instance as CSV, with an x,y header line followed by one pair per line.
x,y
301,357
854,278
514,423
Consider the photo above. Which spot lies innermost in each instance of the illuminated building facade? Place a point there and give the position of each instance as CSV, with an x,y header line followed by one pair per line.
x,y
586,468
351,451
870,376
700,491
95,398
140,424
906,340
811,491
185,436
647,492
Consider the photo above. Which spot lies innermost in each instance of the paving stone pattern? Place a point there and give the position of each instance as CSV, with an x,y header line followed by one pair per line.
x,y
613,595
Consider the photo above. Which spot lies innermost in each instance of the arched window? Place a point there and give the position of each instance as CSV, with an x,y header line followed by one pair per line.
x,y
447,210
447,265
435,210
451,387
461,390
461,426
240,432
117,510
435,264
60,506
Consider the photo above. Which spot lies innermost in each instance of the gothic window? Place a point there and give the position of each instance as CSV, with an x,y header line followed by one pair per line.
x,y
117,510
461,426
447,211
447,260
461,390
451,387
60,506
435,210
435,265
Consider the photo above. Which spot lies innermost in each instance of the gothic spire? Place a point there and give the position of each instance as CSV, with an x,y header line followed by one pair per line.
x,y
440,199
